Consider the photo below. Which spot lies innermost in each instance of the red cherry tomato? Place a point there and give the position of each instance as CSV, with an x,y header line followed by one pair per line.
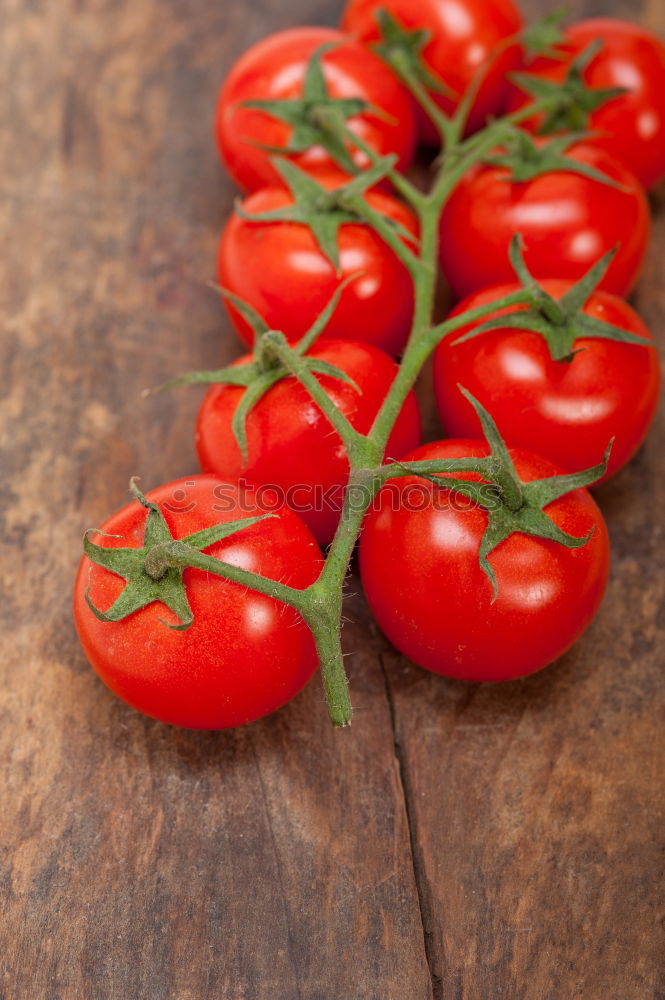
x,y
466,35
567,410
421,575
245,654
568,221
278,268
274,69
630,127
291,445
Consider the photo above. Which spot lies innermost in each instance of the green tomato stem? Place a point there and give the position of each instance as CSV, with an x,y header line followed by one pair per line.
x,y
180,554
445,126
325,611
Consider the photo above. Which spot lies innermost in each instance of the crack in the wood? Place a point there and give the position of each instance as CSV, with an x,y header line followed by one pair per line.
x,y
418,873
278,865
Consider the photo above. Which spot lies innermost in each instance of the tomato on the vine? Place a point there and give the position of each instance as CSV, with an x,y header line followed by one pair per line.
x,y
290,443
419,562
567,221
280,269
275,69
245,654
566,410
630,126
467,37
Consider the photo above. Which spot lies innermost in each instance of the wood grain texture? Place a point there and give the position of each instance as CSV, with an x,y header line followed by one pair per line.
x,y
459,842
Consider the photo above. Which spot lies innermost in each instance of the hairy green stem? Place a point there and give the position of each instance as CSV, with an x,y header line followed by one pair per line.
x,y
445,126
419,349
177,553
324,616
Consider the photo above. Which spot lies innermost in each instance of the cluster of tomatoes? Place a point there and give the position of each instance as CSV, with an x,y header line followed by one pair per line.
x,y
561,378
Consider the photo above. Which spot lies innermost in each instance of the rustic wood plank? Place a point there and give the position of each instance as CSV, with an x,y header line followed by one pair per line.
x,y
137,860
537,806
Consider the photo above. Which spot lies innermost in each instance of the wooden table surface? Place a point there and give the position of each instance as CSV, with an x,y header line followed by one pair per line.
x,y
459,842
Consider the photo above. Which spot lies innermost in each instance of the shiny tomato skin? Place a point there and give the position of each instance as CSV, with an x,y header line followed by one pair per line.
x,y
291,445
465,34
278,268
567,411
245,654
425,587
274,69
568,221
630,127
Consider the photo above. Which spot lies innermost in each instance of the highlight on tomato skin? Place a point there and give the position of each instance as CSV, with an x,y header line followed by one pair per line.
x,y
427,591
565,410
244,655
631,126
466,35
567,221
279,268
274,69
291,445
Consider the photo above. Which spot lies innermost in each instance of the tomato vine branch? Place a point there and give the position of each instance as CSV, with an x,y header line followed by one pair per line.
x,y
321,604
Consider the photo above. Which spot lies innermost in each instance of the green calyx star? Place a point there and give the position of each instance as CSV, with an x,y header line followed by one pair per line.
x,y
561,322
403,50
513,506
527,159
316,118
148,577
544,37
570,102
324,211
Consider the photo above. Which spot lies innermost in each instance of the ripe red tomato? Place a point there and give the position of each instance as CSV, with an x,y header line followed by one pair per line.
x,y
566,410
568,221
421,575
274,69
279,268
245,654
291,445
630,127
465,35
